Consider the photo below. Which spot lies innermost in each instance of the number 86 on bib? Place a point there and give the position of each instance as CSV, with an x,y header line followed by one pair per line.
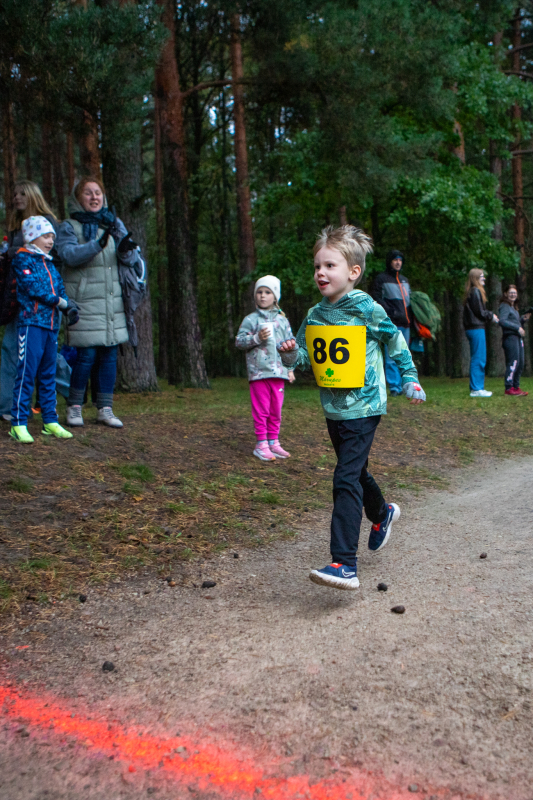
x,y
337,354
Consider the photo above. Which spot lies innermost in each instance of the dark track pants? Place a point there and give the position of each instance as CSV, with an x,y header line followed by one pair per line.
x,y
354,488
513,347
37,353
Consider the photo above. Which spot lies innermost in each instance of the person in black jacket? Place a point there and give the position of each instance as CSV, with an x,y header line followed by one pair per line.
x,y
475,317
512,340
392,291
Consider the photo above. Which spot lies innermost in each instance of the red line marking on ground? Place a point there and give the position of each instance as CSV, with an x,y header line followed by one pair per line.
x,y
206,765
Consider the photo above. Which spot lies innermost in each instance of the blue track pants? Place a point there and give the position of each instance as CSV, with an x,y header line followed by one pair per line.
x,y
37,351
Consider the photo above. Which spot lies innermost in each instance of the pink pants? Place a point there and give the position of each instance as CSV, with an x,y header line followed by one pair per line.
x,y
267,400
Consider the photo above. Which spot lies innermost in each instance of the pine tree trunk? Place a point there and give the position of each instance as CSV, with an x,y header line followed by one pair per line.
x,y
27,152
46,163
518,188
162,282
9,152
244,203
495,354
57,164
89,146
186,359
122,159
71,173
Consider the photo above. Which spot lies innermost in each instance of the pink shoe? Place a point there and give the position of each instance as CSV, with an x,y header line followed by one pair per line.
x,y
278,450
263,452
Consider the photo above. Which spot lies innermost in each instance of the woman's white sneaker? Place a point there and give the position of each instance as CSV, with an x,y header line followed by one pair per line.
x,y
74,417
106,417
481,393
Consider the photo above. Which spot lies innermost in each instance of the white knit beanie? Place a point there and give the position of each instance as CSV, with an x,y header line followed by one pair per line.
x,y
33,227
270,282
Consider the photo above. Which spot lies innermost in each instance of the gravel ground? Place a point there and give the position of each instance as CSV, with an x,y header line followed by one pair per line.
x,y
309,680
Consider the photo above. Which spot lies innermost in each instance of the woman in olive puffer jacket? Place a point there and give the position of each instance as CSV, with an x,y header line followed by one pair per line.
x,y
87,246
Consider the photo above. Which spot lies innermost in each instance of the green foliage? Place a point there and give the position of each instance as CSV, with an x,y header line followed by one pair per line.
x,y
17,484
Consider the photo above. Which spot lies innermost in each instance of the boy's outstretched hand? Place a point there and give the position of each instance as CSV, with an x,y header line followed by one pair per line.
x,y
414,393
287,345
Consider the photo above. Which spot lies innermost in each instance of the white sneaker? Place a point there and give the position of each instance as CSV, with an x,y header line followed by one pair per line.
x,y
106,417
481,393
74,417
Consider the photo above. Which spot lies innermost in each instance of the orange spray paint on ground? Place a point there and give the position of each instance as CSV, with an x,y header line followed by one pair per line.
x,y
208,766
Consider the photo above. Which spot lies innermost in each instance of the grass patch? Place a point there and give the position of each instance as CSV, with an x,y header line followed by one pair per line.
x,y
17,484
35,564
264,496
137,472
5,590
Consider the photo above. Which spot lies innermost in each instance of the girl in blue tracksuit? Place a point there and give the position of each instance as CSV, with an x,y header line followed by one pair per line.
x,y
41,296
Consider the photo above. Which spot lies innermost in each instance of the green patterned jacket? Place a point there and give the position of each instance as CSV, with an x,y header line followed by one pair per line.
x,y
357,308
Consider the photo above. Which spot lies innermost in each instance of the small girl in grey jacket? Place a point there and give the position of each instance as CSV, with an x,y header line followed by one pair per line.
x,y
259,335
512,340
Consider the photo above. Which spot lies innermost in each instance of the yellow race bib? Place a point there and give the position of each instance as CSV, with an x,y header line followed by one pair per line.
x,y
337,354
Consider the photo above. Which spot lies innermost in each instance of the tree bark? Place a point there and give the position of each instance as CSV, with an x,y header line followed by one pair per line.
x,y
57,164
495,354
186,359
162,283
9,152
244,203
122,159
89,146
27,152
46,163
71,174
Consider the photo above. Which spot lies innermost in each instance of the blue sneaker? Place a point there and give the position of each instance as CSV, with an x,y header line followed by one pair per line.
x,y
338,576
380,533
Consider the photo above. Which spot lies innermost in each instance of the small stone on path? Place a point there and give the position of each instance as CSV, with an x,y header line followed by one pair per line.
x,y
483,555
82,598
108,666
398,609
208,584
382,587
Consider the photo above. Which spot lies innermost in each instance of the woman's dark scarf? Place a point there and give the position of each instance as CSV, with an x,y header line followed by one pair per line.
x,y
92,220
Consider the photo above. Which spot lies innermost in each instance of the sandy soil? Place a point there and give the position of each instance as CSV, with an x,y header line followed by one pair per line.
x,y
310,679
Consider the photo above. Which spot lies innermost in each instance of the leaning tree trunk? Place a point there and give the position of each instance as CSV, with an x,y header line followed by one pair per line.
x,y
244,203
186,360
162,282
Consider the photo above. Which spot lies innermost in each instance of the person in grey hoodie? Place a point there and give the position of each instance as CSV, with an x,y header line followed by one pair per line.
x,y
89,243
512,340
259,335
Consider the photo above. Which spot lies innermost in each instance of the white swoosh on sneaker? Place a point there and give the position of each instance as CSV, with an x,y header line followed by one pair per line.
x,y
347,574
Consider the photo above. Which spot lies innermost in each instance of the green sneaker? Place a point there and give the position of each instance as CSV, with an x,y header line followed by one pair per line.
x,y
55,429
20,433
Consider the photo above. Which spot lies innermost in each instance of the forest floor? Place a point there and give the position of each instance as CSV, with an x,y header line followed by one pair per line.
x,y
264,685
179,482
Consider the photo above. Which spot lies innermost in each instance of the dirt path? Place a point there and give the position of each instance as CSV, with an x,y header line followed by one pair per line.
x,y
294,679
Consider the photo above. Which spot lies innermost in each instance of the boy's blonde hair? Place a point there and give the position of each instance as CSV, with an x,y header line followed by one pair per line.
x,y
352,242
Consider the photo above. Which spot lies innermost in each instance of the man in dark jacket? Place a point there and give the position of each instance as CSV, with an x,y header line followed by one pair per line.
x,y
391,290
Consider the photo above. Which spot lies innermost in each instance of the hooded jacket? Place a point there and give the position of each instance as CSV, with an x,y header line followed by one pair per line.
x,y
392,291
357,308
510,320
263,360
39,289
91,280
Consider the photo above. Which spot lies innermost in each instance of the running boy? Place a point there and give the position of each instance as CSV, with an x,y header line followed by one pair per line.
x,y
352,414
40,294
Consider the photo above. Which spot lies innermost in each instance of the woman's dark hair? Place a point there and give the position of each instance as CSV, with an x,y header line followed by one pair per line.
x,y
505,299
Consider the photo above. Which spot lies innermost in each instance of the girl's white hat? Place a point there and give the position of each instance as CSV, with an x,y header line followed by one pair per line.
x,y
33,227
272,283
